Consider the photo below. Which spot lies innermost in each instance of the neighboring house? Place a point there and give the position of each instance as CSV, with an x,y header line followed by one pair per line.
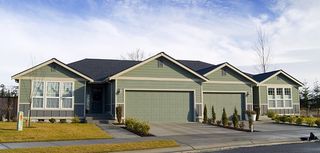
x,y
158,89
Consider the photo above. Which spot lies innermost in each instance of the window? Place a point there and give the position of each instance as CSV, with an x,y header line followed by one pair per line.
x,y
223,73
160,64
37,94
279,98
52,95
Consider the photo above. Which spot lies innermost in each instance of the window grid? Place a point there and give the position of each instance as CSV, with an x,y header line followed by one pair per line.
x,y
60,96
279,98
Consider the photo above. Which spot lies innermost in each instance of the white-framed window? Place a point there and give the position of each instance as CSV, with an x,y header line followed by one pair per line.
x,y
279,98
52,95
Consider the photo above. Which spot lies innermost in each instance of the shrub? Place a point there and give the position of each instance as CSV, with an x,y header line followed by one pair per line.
x,y
242,125
63,120
271,114
119,113
75,119
224,118
137,126
235,118
299,121
317,122
310,121
205,114
283,118
213,113
52,120
218,122
277,118
291,119
257,110
229,124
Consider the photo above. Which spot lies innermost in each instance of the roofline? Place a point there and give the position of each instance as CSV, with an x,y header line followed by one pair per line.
x,y
161,54
284,73
233,68
53,60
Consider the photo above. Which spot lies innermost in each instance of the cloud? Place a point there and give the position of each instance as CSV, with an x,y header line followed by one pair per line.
x,y
199,30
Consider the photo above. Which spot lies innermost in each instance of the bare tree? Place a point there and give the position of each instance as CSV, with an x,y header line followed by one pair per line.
x,y
137,55
263,50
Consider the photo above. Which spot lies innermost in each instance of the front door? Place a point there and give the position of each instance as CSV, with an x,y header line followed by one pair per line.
x,y
96,101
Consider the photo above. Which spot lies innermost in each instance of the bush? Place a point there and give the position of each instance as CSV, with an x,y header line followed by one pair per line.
x,y
119,113
224,118
229,124
257,110
283,119
52,120
291,119
218,122
271,114
242,125
235,118
205,114
213,113
63,120
277,118
317,122
299,121
310,121
136,126
75,119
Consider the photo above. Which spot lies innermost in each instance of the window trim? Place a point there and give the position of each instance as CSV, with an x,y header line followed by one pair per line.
x,y
45,82
276,98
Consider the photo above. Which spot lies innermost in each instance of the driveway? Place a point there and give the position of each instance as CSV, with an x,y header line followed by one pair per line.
x,y
171,129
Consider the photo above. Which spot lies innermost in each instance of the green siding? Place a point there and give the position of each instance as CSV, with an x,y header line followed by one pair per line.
x,y
25,89
141,84
230,87
159,106
169,70
231,75
263,95
281,80
229,101
52,70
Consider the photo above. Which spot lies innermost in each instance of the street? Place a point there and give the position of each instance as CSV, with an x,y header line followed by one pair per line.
x,y
312,147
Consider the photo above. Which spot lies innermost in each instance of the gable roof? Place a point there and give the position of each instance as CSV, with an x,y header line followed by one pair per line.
x,y
226,64
264,77
161,54
53,60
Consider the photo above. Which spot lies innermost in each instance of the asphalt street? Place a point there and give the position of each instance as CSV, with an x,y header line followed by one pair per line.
x,y
312,147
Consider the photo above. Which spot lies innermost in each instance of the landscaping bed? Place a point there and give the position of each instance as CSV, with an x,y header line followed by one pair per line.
x,y
50,132
138,127
98,147
295,120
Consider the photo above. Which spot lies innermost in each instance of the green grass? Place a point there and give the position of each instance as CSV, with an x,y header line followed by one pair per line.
x,y
97,148
50,132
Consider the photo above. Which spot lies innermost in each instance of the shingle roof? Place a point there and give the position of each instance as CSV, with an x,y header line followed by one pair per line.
x,y
100,69
263,76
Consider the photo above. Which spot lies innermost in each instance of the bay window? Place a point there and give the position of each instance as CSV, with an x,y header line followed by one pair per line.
x,y
279,98
52,95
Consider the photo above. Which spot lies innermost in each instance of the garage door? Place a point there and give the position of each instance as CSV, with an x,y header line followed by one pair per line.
x,y
159,106
224,100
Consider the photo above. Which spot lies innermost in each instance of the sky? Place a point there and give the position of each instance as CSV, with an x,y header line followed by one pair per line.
x,y
213,31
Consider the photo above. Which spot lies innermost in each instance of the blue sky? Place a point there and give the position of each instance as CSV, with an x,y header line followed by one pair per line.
x,y
214,31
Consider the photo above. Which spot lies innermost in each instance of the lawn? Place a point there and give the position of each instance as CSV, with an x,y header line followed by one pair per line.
x,y
50,132
99,147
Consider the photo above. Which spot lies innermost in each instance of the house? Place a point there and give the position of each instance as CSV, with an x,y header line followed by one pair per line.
x,y
158,89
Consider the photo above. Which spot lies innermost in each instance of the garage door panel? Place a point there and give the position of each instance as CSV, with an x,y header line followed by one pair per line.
x,y
229,101
159,106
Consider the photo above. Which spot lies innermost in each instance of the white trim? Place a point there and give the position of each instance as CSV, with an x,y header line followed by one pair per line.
x,y
115,97
19,97
170,90
60,95
51,78
84,100
155,79
233,68
277,85
275,99
284,73
228,82
16,76
153,58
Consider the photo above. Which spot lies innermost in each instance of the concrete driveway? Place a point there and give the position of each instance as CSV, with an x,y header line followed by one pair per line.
x,y
171,129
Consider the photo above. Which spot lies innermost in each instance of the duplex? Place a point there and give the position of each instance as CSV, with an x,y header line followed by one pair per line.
x,y
158,89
